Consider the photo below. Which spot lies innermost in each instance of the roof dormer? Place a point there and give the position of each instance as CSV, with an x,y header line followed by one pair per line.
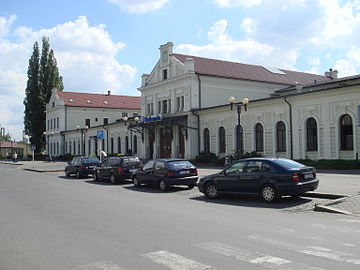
x,y
165,51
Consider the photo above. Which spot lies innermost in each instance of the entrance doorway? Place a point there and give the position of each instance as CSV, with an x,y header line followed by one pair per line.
x,y
182,132
165,142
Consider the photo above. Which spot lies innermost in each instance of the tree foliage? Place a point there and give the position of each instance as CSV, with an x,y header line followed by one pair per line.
x,y
43,76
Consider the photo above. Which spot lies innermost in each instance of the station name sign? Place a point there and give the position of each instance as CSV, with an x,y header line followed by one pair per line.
x,y
152,118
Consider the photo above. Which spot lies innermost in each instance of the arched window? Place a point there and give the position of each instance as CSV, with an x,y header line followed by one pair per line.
x,y
280,137
346,132
311,135
119,144
239,138
126,144
135,144
112,145
259,138
222,142
206,140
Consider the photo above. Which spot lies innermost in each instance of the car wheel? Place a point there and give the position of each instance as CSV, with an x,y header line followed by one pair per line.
x,y
78,175
95,177
162,185
113,179
136,182
191,186
269,193
211,191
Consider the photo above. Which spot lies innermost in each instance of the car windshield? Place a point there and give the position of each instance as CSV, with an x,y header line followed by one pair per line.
x,y
131,161
90,160
179,164
288,164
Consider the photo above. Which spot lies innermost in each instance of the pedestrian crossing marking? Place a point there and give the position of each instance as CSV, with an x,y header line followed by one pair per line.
x,y
309,250
99,266
174,261
254,257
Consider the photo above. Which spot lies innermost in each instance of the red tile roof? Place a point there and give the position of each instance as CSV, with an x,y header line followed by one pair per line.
x,y
75,99
8,145
213,67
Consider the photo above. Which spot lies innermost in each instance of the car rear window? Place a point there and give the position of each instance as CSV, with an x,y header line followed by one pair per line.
x,y
90,160
179,164
131,161
288,164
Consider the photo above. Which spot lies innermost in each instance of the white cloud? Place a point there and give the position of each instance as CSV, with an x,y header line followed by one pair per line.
x,y
5,24
223,46
248,25
237,3
349,65
139,6
86,59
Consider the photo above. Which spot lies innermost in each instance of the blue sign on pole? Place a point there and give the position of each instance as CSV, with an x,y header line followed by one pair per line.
x,y
32,146
100,135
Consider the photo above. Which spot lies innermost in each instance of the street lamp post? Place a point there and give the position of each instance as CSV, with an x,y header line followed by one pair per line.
x,y
131,127
245,102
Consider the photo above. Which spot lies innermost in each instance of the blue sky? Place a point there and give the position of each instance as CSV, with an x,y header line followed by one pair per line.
x,y
103,45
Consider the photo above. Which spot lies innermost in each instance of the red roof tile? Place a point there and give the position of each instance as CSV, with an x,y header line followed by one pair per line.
x,y
8,145
75,99
213,67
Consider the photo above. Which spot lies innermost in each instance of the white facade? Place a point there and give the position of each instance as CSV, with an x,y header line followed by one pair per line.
x,y
72,129
175,88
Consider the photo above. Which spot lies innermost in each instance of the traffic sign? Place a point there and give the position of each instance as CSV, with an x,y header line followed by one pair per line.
x,y
100,134
32,147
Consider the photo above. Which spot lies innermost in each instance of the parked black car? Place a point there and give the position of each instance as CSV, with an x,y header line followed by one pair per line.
x,y
166,172
270,178
81,166
117,169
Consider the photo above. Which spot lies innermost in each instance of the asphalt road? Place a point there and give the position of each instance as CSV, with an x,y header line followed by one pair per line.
x,y
51,222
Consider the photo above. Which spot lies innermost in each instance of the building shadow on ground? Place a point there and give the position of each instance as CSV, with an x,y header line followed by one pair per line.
x,y
154,189
254,201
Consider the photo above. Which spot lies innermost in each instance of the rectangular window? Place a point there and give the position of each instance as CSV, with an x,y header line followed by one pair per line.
x,y
51,124
148,109
57,122
159,107
164,106
165,75
135,114
169,106
178,104
124,114
182,103
87,122
48,125
106,120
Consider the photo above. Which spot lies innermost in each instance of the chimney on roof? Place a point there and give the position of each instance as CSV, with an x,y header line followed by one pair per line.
x,y
109,92
144,77
298,87
332,74
189,64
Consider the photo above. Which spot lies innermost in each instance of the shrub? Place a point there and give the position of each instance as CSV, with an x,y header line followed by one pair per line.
x,y
204,157
332,164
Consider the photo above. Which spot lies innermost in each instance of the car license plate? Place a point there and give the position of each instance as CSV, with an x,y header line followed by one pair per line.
x,y
184,172
132,170
308,175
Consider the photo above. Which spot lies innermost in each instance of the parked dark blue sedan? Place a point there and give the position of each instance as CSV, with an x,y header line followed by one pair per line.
x,y
166,172
270,178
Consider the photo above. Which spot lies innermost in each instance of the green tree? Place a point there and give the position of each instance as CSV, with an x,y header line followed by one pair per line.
x,y
43,76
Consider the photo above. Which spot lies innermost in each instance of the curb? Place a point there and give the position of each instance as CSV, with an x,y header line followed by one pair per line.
x,y
324,195
41,171
330,209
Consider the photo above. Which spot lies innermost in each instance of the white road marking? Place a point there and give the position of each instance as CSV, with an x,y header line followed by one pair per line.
x,y
310,250
99,266
174,261
349,220
253,257
349,245
340,229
